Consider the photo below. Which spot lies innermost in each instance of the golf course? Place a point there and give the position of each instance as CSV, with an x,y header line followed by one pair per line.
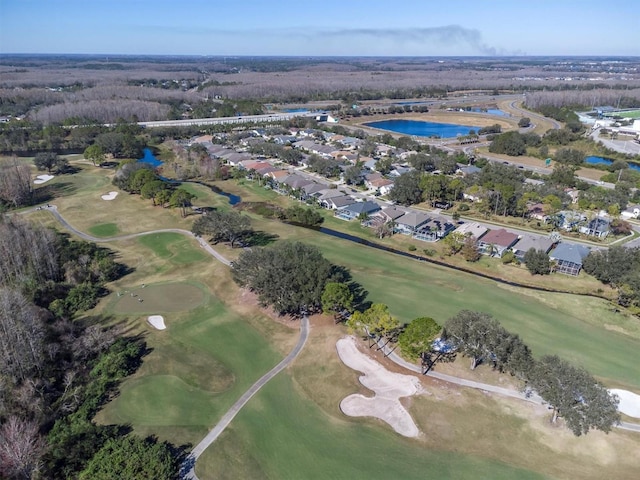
x,y
218,341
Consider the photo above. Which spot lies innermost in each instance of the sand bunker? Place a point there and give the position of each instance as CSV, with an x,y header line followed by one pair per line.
x,y
42,179
629,402
110,196
157,321
388,388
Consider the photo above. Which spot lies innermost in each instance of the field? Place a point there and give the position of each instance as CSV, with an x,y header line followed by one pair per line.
x,y
218,342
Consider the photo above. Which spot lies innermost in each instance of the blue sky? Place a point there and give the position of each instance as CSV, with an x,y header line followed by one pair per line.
x,y
328,27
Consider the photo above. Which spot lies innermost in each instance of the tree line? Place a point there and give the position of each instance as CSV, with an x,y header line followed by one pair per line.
x,y
57,369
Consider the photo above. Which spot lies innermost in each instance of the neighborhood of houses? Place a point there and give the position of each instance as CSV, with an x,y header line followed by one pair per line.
x,y
350,205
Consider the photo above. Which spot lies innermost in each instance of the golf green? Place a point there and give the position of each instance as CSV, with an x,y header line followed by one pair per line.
x,y
158,299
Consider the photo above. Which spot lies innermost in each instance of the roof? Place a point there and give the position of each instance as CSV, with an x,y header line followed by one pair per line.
x,y
331,193
296,181
363,207
413,219
570,252
341,201
599,225
468,170
313,188
474,229
392,213
500,237
527,242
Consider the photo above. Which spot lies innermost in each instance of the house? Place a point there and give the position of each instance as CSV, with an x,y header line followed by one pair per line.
x,y
472,229
357,209
465,170
382,185
311,188
496,242
537,211
568,257
399,170
336,203
435,229
569,219
527,242
598,227
631,212
295,181
408,223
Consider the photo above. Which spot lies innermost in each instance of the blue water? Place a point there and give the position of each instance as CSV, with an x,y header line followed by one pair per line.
x,y
423,129
491,111
296,110
233,199
150,158
607,161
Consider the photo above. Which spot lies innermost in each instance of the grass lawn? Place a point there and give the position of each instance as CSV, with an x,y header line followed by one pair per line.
x,y
283,435
175,247
104,230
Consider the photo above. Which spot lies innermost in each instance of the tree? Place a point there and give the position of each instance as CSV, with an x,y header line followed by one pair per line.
x,y
222,226
20,448
337,298
537,262
94,153
470,250
575,395
49,161
524,122
375,322
353,175
182,199
454,242
16,188
133,458
473,334
290,276
417,336
406,189
510,143
152,188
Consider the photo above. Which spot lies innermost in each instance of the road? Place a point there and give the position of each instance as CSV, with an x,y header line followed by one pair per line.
x,y
266,118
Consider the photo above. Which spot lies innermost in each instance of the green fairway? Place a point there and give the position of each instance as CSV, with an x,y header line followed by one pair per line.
x,y
196,370
584,330
282,435
163,298
176,247
104,230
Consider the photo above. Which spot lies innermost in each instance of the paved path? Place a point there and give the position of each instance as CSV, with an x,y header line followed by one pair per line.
x,y
507,392
188,468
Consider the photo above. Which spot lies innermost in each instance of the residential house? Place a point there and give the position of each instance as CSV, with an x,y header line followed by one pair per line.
x,y
573,194
310,189
496,242
537,211
284,139
598,227
382,185
527,242
399,170
357,209
410,222
295,182
336,203
632,211
465,170
435,229
383,150
386,215
570,219
568,258
472,229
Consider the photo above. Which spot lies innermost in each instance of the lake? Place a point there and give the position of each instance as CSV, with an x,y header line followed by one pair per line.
x,y
423,129
607,161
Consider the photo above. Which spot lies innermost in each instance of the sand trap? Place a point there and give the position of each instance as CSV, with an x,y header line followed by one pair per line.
x,y
629,402
157,321
42,179
388,388
110,196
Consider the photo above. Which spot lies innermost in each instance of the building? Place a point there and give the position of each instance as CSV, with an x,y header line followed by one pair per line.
x,y
497,242
527,242
410,222
598,227
568,257
356,210
472,229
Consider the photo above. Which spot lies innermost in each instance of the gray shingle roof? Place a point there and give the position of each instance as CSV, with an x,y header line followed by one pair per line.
x,y
570,252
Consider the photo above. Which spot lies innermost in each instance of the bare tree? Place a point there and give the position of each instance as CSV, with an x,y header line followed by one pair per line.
x,y
20,448
15,182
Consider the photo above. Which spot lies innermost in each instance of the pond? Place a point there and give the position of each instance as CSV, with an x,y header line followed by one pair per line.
x,y
423,129
593,160
150,158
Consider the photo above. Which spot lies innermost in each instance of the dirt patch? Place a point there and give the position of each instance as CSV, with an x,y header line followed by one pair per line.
x,y
249,301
